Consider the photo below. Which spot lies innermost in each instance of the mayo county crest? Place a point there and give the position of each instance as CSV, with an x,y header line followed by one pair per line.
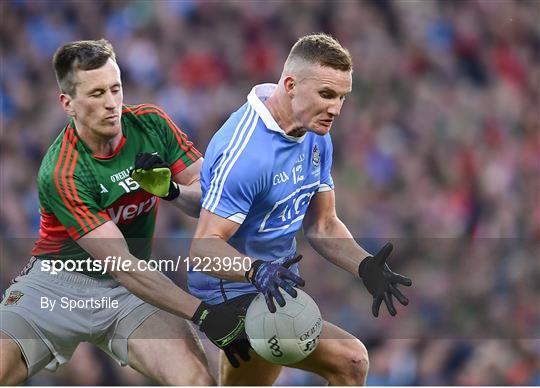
x,y
316,156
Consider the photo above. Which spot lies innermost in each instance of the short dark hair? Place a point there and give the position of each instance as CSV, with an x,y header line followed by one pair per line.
x,y
321,49
79,55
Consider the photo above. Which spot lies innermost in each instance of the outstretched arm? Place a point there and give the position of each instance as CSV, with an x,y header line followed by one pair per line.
x,y
329,236
221,325
151,286
332,240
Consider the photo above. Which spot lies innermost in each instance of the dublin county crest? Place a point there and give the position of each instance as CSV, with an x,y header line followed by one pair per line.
x,y
316,156
13,297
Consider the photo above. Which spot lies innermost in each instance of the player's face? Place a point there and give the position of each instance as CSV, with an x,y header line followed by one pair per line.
x,y
97,104
318,97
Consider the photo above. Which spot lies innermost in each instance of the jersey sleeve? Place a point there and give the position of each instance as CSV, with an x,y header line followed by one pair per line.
x,y
230,183
327,183
178,151
73,205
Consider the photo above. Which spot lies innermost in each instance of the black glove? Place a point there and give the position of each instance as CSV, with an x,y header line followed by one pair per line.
x,y
224,326
154,176
268,276
381,282
239,347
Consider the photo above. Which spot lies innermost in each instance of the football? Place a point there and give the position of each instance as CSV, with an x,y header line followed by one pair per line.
x,y
290,334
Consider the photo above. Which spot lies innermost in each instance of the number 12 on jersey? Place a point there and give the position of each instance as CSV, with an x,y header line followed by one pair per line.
x,y
297,174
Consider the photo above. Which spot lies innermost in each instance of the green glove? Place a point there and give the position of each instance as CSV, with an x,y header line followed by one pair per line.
x,y
154,176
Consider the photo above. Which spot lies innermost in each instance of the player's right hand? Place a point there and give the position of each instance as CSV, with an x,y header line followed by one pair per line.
x,y
269,276
224,326
153,174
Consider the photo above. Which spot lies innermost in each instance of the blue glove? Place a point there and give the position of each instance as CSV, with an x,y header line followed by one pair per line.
x,y
268,276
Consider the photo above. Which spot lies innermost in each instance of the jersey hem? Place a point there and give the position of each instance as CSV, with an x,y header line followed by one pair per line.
x,y
236,217
324,187
239,218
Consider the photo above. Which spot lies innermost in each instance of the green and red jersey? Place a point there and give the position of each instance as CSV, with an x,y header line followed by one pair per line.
x,y
79,191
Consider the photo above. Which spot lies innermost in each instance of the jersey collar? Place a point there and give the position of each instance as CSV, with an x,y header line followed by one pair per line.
x,y
71,126
256,99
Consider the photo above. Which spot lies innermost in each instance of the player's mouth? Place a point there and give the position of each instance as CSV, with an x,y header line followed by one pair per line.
x,y
326,123
112,117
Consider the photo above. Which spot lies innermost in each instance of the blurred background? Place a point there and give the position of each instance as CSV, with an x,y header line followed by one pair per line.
x,y
437,149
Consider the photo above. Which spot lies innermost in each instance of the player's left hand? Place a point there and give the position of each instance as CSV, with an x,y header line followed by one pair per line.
x,y
224,326
381,282
153,174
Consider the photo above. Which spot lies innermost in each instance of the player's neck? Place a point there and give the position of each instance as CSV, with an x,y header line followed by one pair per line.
x,y
280,109
99,145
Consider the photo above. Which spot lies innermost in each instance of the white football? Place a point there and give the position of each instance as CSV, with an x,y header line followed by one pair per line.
x,y
290,334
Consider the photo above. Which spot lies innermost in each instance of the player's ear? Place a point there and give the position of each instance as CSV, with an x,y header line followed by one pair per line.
x,y
290,84
66,101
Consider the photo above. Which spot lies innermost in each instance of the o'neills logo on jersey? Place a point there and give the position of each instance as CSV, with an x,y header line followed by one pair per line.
x,y
121,175
129,207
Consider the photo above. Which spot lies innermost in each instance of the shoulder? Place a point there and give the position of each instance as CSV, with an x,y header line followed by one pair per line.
x,y
56,155
142,110
151,119
146,115
325,141
61,164
237,124
243,139
147,118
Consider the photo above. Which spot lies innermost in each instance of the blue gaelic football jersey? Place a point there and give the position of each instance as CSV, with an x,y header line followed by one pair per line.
x,y
259,177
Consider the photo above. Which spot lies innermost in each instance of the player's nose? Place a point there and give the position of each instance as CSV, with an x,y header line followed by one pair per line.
x,y
335,108
109,100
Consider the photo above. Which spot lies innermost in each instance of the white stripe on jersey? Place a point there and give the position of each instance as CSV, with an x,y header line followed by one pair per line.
x,y
234,149
236,156
217,171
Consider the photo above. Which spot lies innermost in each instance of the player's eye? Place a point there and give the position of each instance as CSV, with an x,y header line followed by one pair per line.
x,y
328,94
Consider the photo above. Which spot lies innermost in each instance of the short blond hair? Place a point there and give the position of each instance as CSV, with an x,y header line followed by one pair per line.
x,y
320,49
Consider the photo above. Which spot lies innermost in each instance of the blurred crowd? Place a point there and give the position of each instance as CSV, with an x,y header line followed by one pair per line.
x,y
437,149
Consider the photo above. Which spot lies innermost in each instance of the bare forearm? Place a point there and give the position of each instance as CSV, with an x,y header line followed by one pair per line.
x,y
215,247
334,242
151,286
155,288
189,200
